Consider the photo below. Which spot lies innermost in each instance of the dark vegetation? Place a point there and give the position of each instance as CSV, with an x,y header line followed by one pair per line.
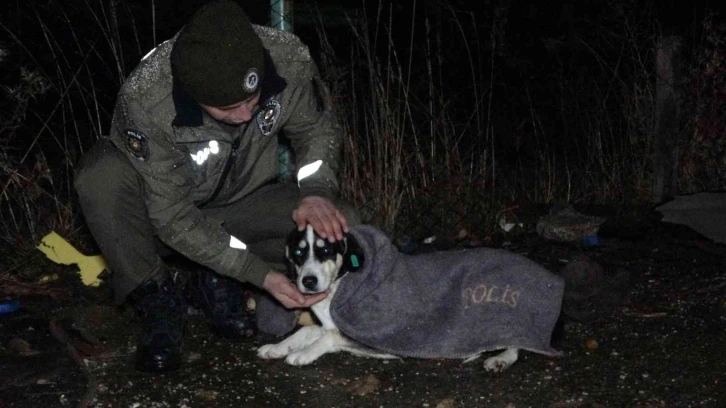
x,y
454,114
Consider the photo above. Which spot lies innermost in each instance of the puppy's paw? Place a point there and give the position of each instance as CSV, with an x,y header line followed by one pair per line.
x,y
496,364
300,358
270,351
501,361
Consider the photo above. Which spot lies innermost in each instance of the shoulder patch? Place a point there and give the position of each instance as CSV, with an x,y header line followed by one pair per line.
x,y
268,116
136,144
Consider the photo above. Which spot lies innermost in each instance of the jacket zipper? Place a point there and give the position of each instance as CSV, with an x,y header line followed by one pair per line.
x,y
225,172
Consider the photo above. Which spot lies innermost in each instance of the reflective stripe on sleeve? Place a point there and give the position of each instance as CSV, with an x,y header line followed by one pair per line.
x,y
236,243
308,170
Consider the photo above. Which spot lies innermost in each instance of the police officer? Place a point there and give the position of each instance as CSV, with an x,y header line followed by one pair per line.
x,y
191,165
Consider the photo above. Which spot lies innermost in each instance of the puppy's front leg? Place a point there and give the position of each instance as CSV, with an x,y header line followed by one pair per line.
x,y
302,338
330,342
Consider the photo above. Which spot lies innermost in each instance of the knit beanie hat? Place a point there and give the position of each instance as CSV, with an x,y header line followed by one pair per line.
x,y
218,59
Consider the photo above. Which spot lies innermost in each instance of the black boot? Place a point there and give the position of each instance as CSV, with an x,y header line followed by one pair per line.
x,y
220,298
161,312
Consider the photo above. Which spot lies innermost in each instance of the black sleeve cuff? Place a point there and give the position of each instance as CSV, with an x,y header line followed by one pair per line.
x,y
316,189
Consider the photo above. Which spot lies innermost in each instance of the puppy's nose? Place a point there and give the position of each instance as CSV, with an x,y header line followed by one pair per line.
x,y
310,282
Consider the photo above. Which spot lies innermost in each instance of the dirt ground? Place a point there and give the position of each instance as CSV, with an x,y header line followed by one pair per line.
x,y
653,335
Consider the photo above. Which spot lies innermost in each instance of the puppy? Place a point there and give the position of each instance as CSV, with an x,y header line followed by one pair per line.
x,y
319,265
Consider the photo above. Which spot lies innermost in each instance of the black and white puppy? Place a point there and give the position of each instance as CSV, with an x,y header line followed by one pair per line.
x,y
319,265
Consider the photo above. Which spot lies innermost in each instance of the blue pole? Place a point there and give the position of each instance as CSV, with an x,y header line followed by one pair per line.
x,y
281,19
281,14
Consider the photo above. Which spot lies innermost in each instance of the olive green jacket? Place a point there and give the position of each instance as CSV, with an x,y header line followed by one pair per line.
x,y
188,160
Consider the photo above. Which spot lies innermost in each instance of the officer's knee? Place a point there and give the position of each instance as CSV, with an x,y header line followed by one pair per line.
x,y
103,172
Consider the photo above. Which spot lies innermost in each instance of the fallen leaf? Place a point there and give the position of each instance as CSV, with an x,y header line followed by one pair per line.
x,y
22,347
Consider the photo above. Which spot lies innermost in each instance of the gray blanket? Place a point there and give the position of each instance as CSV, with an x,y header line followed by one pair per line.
x,y
446,304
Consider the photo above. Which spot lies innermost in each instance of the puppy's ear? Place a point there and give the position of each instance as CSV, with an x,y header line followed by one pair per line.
x,y
353,256
290,271
290,265
293,240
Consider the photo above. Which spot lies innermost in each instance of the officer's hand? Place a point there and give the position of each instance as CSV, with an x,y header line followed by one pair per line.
x,y
280,287
323,216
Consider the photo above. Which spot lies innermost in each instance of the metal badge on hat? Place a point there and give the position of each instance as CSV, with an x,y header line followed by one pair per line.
x,y
251,80
268,116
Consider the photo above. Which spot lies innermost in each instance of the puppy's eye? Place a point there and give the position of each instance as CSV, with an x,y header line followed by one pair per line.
x,y
298,252
326,250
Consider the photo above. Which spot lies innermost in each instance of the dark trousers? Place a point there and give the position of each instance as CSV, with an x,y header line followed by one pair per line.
x,y
111,197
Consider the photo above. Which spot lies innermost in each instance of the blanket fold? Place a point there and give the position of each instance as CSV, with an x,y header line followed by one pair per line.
x,y
453,304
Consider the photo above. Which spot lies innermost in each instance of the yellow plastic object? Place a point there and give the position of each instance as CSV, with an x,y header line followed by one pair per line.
x,y
61,252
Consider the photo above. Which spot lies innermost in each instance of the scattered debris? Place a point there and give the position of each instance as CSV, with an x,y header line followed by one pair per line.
x,y
564,224
507,220
429,240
